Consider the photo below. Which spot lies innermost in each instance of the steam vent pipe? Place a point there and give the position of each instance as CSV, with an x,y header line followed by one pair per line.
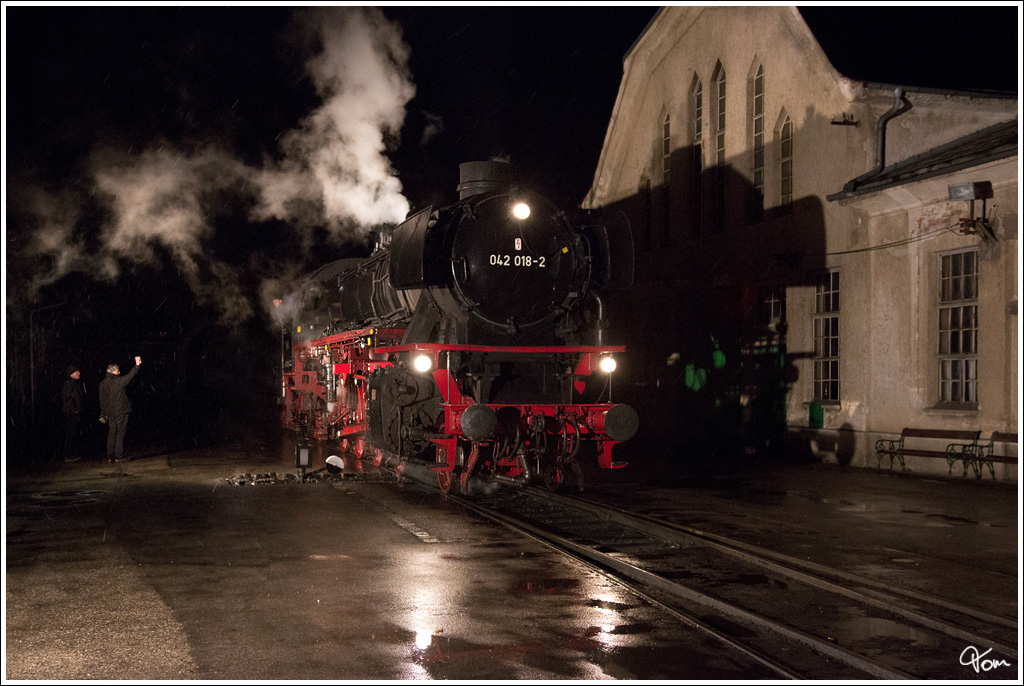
x,y
481,177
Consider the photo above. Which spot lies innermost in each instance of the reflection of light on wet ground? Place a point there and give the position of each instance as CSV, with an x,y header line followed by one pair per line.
x,y
607,607
884,630
424,607
414,672
423,638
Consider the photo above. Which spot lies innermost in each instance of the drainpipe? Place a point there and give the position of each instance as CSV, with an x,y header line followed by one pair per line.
x,y
899,106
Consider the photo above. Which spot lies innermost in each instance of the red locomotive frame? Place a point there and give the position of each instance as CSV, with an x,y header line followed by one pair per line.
x,y
344,362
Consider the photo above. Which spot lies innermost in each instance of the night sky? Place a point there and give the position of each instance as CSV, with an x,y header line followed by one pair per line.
x,y
152,135
167,164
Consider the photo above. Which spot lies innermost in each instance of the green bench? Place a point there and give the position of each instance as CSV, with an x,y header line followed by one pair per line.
x,y
985,454
963,449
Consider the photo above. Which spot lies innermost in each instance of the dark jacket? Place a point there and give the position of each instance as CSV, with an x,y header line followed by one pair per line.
x,y
71,397
113,397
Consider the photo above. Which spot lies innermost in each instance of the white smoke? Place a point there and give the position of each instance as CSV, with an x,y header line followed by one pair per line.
x,y
55,217
280,297
434,128
161,198
337,156
333,172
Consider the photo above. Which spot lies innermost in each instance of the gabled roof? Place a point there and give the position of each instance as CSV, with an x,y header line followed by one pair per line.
x,y
987,145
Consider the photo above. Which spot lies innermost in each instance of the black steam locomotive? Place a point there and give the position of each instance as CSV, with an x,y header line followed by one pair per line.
x,y
471,340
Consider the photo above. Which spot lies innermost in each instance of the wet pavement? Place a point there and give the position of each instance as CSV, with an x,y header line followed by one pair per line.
x,y
952,537
168,568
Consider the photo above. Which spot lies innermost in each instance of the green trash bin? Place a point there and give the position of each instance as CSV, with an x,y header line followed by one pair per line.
x,y
816,416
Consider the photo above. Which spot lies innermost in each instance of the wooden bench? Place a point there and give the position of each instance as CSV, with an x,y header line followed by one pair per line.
x,y
964,449
984,454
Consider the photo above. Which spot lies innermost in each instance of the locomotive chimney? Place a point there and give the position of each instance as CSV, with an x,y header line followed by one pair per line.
x,y
480,177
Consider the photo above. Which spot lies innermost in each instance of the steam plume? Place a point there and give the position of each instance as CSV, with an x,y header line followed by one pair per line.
x,y
332,172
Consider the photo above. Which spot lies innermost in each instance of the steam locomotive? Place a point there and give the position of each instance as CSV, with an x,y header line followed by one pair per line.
x,y
471,341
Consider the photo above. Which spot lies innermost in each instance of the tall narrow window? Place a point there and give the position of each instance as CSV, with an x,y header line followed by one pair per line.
x,y
645,208
958,328
756,213
720,154
666,164
697,187
826,337
666,149
786,164
772,300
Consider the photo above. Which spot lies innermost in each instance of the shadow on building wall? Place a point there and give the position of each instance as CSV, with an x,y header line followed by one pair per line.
x,y
709,365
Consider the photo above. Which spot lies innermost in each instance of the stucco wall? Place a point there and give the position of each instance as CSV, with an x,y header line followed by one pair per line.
x,y
693,290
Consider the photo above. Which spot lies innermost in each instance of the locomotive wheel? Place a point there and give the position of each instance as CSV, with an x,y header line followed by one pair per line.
x,y
445,481
378,456
358,447
554,478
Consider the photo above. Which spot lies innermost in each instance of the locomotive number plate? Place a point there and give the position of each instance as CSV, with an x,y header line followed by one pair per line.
x,y
518,261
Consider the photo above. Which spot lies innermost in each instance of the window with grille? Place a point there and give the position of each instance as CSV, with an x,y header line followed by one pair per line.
x,y
756,210
826,337
958,328
786,164
772,299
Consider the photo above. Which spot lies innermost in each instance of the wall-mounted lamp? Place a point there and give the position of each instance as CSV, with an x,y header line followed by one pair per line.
x,y
979,190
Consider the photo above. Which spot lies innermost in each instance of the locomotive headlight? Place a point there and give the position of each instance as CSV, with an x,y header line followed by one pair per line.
x,y
520,210
607,364
422,363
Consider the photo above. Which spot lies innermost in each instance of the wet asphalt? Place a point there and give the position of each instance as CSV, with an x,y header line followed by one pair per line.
x,y
166,568
957,538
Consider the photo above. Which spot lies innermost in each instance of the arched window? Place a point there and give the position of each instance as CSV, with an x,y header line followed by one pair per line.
x,y
756,213
720,178
666,164
786,164
720,128
697,181
666,149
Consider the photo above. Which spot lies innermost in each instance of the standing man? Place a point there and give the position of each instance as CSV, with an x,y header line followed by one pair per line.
x,y
71,407
115,407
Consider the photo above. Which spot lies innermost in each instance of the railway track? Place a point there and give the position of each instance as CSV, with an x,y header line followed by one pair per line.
x,y
799,619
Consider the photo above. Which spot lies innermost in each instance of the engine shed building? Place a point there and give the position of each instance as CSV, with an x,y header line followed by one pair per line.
x,y
820,261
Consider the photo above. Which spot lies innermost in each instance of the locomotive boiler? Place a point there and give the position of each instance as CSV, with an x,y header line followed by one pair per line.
x,y
471,340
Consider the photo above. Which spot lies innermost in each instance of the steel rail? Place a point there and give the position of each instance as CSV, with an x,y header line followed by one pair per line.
x,y
636,574
620,568
791,567
750,554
